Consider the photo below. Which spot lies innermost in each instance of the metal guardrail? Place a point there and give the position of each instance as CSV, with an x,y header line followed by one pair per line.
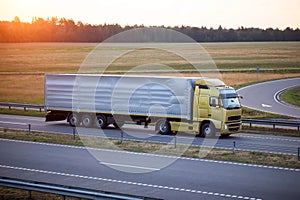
x,y
25,106
273,122
63,190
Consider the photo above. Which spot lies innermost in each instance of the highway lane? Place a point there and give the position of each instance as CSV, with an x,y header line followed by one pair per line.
x,y
185,178
260,143
264,97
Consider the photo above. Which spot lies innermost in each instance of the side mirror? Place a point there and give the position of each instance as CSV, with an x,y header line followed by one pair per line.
x,y
241,97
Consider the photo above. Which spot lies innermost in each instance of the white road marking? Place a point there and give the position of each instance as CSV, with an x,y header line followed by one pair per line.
x,y
14,123
130,166
155,155
39,119
129,182
266,105
277,99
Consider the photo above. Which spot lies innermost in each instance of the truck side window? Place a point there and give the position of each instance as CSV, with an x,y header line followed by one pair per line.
x,y
213,102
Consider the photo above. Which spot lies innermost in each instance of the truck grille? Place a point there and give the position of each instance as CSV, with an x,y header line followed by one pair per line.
x,y
233,126
234,118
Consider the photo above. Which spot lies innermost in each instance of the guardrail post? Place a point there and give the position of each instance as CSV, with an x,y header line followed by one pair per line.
x,y
29,129
233,149
74,137
250,125
24,108
175,141
122,136
273,126
299,153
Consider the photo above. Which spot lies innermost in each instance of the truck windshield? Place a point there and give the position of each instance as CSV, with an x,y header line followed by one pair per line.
x,y
230,99
231,103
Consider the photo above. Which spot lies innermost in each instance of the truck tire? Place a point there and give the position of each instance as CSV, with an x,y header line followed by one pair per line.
x,y
87,120
163,127
101,121
208,130
74,119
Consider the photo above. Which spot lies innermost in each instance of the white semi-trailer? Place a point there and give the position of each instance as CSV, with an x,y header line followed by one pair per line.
x,y
202,105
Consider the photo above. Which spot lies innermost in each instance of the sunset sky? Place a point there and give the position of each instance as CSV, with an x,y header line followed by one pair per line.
x,y
209,13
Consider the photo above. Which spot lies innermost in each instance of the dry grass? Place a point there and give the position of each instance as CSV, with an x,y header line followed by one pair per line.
x,y
67,57
247,78
255,54
18,194
43,57
22,88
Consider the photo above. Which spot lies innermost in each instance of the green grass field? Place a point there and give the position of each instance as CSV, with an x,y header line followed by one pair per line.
x,y
292,96
22,65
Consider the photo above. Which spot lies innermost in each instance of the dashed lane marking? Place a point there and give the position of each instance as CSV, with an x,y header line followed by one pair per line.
x,y
232,196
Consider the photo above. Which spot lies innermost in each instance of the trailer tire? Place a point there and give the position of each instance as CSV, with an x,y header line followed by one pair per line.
x,y
101,121
87,120
74,119
207,130
163,127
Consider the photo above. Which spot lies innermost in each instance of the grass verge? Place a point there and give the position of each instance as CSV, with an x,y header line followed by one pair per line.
x,y
145,147
250,113
271,131
18,194
292,96
12,111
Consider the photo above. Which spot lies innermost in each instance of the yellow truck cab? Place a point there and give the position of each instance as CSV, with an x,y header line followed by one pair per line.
x,y
216,110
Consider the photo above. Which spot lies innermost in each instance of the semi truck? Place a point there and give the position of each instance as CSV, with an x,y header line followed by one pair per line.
x,y
200,105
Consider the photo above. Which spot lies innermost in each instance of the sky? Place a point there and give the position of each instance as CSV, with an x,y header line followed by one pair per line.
x,y
210,13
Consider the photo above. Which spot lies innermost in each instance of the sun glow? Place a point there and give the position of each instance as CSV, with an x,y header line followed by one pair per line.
x,y
229,13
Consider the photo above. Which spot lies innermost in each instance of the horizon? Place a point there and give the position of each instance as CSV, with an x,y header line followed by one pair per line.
x,y
229,14
142,25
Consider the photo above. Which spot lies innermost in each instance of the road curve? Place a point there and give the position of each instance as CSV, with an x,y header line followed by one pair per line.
x,y
243,141
186,178
263,97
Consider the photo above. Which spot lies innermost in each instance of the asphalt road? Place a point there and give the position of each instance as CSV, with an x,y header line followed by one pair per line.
x,y
140,174
251,142
264,97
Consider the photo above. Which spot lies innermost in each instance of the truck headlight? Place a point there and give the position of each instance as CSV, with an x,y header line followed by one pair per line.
x,y
225,127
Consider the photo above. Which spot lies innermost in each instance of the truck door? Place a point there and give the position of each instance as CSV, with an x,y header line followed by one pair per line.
x,y
215,108
203,110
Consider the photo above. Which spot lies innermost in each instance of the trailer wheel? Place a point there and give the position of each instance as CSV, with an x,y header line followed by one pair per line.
x,y
74,119
207,130
101,121
87,120
163,127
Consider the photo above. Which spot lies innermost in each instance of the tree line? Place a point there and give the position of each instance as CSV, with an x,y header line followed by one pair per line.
x,y
66,30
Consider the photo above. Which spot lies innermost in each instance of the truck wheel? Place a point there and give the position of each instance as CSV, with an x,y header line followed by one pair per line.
x,y
207,130
101,121
163,127
87,120
74,119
